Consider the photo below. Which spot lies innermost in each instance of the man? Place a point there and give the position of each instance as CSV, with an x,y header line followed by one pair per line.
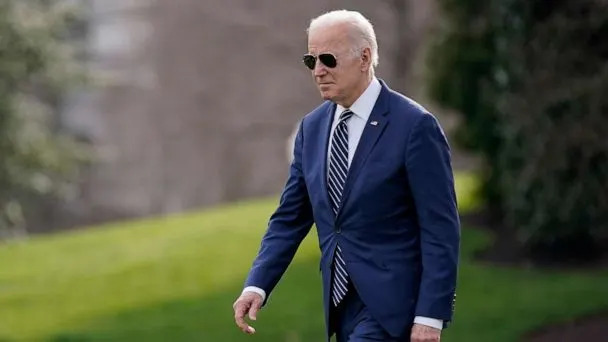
x,y
371,168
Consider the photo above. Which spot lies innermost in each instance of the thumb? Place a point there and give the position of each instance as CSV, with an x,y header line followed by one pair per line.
x,y
253,310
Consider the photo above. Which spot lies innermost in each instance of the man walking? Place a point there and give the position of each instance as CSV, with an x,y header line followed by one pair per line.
x,y
372,170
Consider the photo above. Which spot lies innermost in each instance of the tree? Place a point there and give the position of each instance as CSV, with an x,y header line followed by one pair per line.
x,y
36,159
528,77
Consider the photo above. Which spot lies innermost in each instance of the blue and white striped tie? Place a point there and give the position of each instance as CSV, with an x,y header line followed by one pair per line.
x,y
338,169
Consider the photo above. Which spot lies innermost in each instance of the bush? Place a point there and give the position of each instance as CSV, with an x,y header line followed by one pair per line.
x,y
529,78
36,160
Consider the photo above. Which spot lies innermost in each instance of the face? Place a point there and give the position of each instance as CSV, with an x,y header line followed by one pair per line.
x,y
344,83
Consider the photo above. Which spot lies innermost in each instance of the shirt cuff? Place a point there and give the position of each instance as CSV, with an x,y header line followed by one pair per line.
x,y
429,322
256,290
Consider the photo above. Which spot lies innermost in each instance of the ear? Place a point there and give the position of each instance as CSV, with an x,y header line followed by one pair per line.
x,y
366,59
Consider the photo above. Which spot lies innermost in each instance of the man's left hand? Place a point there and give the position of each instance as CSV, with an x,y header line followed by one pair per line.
x,y
423,333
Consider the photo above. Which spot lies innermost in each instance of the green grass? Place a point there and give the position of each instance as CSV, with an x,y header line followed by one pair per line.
x,y
175,279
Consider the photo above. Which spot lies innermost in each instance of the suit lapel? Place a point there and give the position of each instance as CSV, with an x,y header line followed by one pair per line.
x,y
372,131
326,125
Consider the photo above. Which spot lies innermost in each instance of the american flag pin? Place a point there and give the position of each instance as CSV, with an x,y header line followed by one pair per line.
x,y
374,123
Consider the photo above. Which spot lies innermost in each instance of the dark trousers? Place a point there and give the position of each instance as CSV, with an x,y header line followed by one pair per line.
x,y
352,322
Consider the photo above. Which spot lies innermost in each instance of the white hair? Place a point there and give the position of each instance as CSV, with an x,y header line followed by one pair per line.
x,y
361,30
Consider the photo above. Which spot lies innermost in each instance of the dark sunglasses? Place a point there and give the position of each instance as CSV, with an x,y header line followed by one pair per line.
x,y
327,59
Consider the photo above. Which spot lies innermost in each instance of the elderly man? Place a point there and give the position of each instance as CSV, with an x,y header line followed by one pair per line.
x,y
371,169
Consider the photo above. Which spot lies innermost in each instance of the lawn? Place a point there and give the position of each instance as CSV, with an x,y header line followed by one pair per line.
x,y
175,278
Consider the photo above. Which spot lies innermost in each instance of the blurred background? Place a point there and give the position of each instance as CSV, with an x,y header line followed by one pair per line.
x,y
143,146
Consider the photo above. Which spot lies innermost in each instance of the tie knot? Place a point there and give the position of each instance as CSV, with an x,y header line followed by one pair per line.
x,y
346,114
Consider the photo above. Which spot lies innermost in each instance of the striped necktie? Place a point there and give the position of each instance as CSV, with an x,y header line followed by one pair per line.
x,y
338,169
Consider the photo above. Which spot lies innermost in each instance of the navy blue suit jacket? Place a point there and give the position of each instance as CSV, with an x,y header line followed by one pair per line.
x,y
398,225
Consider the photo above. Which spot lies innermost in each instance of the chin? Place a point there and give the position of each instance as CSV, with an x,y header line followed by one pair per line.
x,y
327,95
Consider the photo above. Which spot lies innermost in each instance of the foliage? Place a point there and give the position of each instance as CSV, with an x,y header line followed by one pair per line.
x,y
35,67
528,78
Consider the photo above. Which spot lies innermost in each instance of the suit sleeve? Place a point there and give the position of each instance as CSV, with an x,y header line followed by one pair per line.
x,y
287,227
432,185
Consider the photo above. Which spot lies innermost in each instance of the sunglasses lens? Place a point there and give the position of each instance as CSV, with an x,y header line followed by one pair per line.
x,y
309,61
328,60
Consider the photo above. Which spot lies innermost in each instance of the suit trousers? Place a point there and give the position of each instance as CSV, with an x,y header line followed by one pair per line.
x,y
352,322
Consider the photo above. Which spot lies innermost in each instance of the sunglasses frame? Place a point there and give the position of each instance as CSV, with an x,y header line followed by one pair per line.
x,y
320,58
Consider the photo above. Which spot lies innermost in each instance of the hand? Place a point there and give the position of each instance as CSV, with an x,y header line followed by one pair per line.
x,y
423,333
247,303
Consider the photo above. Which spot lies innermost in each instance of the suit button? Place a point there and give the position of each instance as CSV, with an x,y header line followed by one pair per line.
x,y
338,230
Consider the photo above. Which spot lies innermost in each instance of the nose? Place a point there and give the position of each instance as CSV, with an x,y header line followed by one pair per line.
x,y
320,69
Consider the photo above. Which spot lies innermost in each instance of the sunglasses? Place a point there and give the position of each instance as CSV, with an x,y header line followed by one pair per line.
x,y
327,59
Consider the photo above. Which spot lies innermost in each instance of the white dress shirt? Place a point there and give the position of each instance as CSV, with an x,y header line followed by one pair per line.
x,y
362,109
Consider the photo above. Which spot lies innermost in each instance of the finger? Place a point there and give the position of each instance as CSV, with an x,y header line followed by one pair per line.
x,y
239,317
253,310
246,328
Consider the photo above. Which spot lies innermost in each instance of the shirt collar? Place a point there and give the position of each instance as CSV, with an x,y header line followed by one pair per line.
x,y
364,105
